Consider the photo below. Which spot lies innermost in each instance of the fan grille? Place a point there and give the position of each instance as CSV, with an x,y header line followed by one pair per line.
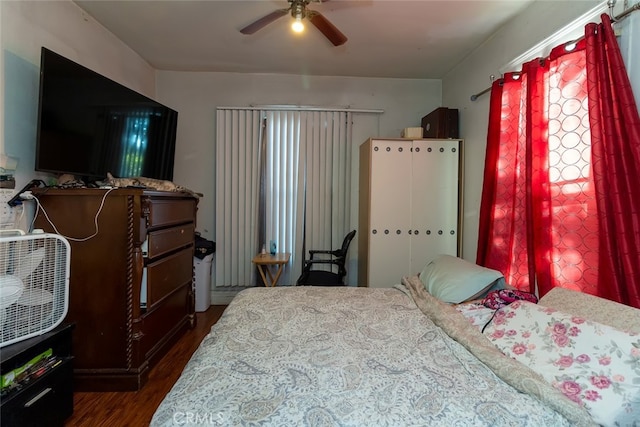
x,y
34,285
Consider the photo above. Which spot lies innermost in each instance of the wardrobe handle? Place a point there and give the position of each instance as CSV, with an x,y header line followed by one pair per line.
x,y
439,231
398,232
374,231
386,231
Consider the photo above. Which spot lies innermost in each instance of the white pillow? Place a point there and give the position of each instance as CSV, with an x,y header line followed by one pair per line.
x,y
455,280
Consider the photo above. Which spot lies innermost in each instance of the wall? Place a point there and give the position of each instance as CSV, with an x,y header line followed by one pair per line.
x,y
26,26
62,26
536,23
196,96
630,48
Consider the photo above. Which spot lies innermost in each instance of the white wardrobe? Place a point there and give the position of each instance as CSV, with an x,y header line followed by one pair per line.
x,y
410,205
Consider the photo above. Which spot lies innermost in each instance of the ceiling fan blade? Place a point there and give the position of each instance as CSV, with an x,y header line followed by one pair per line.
x,y
264,21
329,30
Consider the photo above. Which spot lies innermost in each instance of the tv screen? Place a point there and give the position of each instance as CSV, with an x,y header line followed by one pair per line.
x,y
89,125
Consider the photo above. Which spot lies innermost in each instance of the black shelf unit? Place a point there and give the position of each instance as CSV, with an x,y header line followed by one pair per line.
x,y
48,399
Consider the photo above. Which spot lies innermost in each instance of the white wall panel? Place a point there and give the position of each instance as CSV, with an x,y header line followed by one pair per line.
x,y
409,205
435,193
390,211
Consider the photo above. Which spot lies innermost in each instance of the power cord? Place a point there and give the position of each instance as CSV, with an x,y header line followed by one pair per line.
x,y
28,195
17,199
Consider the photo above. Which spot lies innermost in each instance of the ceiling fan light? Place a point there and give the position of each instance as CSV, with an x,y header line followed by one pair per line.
x,y
297,25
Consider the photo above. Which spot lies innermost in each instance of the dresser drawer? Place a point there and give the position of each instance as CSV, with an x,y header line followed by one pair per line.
x,y
47,401
159,325
167,274
168,211
169,239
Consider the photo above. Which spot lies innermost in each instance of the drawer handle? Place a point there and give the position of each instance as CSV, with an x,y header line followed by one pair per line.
x,y
37,397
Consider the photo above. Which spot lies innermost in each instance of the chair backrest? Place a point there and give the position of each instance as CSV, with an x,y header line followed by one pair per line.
x,y
310,276
342,252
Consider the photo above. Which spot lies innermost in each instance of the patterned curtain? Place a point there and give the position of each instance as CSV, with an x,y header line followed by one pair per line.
x,y
548,214
615,135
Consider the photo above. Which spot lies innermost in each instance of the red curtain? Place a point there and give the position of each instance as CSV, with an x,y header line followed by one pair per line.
x,y
615,139
544,206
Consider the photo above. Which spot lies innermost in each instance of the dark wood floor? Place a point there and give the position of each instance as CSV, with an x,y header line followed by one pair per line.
x,y
135,409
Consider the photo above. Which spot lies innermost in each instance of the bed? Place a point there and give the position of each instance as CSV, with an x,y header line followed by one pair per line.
x,y
346,356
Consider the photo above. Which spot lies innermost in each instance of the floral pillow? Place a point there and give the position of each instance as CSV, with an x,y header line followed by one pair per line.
x,y
592,364
477,314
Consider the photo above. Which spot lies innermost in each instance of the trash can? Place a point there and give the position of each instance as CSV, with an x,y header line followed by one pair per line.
x,y
203,282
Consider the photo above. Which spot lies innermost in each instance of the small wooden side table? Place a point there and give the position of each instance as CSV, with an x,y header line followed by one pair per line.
x,y
265,262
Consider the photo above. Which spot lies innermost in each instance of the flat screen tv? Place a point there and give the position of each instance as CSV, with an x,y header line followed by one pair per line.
x,y
89,125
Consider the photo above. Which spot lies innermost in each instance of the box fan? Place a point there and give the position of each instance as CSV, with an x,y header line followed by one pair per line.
x,y
34,284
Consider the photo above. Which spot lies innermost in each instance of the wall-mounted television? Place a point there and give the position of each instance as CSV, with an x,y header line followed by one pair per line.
x,y
89,125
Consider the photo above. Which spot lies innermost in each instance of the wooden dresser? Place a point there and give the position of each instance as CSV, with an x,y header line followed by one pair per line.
x,y
131,284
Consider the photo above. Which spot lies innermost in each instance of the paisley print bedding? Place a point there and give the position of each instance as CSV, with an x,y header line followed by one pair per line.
x,y
342,356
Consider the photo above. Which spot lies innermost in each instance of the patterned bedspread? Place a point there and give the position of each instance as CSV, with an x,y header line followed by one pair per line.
x,y
343,356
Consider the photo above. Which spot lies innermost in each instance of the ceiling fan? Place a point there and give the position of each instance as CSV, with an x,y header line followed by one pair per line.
x,y
298,10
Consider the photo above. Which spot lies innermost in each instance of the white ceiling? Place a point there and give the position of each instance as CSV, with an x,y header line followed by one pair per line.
x,y
387,38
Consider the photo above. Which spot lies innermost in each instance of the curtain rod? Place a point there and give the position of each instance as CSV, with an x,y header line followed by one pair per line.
x,y
615,19
479,94
626,12
302,108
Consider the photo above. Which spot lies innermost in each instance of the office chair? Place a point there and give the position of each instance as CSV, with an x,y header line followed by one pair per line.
x,y
337,258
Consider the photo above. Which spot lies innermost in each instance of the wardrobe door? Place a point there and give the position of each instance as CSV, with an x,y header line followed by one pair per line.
x,y
389,247
434,196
